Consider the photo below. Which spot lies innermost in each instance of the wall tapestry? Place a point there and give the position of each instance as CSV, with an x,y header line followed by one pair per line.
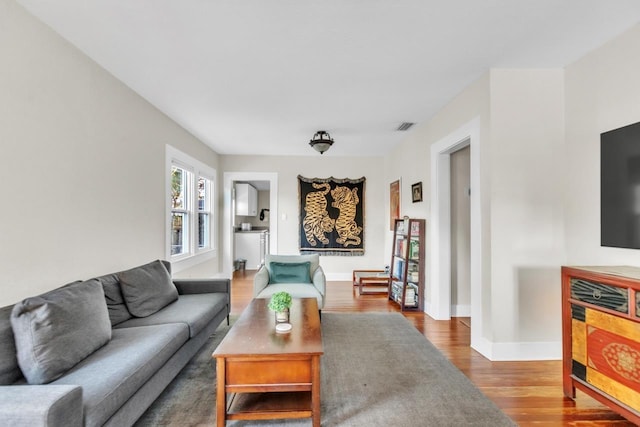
x,y
331,216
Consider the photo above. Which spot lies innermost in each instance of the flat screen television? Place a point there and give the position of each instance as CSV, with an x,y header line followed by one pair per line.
x,y
620,187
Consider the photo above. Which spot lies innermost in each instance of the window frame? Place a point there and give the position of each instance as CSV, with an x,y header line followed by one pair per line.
x,y
187,214
208,209
193,254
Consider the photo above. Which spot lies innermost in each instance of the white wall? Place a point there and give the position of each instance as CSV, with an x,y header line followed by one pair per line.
x,y
527,235
82,164
602,93
288,169
540,172
411,161
521,120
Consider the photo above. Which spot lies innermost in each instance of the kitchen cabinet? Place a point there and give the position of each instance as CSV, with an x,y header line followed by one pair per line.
x,y
246,200
249,245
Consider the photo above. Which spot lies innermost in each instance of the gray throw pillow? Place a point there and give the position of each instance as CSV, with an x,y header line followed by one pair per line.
x,y
9,369
118,311
56,330
147,289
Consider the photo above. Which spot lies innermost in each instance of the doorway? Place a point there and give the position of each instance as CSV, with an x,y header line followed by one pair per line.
x,y
439,307
267,180
461,234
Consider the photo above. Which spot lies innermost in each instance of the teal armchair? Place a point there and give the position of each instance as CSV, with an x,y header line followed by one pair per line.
x,y
300,275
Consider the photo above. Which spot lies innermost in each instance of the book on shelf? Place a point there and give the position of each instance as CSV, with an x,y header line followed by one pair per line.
x,y
396,287
414,249
410,302
398,268
414,276
411,295
410,292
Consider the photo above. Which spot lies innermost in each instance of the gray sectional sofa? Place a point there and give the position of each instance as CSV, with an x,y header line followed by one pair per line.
x,y
99,352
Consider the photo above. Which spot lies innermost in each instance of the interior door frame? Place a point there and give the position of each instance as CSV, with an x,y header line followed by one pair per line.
x,y
227,224
440,258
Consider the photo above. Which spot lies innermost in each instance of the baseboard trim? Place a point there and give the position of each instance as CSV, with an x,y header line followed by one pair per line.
x,y
462,310
524,351
338,277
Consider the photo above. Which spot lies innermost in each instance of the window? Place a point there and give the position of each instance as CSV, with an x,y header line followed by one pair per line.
x,y
204,212
191,213
180,179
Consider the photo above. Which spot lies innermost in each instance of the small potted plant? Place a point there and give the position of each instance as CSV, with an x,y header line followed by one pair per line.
x,y
280,303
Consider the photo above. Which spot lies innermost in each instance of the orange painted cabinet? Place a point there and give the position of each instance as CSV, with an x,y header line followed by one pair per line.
x,y
601,336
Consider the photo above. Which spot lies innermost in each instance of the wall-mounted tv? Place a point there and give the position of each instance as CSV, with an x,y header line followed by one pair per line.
x,y
620,187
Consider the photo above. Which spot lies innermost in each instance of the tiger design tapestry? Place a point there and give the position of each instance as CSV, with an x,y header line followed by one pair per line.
x,y
331,216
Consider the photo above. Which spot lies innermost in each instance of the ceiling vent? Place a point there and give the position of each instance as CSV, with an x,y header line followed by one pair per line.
x,y
405,126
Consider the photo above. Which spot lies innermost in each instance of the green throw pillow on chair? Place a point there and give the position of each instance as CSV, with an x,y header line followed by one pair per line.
x,y
289,272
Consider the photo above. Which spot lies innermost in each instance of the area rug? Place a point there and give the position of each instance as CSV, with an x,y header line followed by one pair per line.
x,y
377,370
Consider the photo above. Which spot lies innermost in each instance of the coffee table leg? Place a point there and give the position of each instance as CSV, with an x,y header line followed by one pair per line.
x,y
221,394
315,391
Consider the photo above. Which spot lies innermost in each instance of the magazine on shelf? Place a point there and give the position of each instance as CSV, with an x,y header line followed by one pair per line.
x,y
414,249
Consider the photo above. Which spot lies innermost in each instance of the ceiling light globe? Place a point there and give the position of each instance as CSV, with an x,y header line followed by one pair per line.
x,y
321,141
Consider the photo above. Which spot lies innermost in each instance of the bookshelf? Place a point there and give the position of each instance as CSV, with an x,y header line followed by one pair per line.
x,y
407,264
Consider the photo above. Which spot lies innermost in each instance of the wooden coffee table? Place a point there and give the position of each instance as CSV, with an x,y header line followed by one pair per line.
x,y
263,374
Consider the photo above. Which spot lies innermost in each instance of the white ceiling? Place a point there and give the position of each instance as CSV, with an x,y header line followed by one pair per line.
x,y
262,76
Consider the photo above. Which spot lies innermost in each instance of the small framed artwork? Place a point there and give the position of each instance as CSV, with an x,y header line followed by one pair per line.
x,y
416,192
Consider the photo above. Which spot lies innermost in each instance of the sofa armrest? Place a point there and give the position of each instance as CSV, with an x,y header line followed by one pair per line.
x,y
260,280
202,286
41,405
319,281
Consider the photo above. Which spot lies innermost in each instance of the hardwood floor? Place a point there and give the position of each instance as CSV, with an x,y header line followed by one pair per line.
x,y
530,393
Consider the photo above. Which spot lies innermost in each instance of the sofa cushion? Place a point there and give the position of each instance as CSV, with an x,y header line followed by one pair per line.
x,y
147,289
58,329
195,310
289,272
113,374
118,311
9,369
41,405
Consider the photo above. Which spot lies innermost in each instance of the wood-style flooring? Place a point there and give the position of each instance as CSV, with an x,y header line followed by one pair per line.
x,y
530,393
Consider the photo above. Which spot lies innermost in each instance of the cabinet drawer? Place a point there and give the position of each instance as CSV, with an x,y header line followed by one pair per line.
x,y
606,296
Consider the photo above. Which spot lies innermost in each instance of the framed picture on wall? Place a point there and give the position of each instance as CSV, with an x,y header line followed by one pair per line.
x,y
416,192
394,202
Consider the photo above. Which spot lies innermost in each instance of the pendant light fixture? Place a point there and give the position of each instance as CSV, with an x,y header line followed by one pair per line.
x,y
321,141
